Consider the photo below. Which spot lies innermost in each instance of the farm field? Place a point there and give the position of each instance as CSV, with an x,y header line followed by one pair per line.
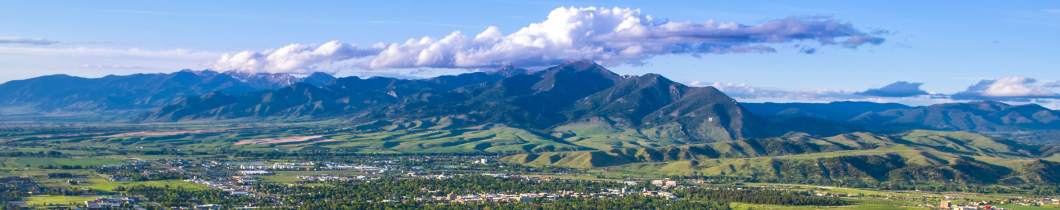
x,y
49,199
35,162
103,185
745,206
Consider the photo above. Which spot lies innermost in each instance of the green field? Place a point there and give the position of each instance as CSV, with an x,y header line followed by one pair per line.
x,y
101,184
34,162
585,153
62,200
745,206
279,179
1019,207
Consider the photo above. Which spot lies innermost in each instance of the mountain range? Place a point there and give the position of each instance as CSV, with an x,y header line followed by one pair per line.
x,y
577,98
59,93
563,99
582,115
978,116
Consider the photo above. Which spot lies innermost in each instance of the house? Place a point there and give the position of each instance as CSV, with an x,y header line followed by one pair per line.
x,y
658,182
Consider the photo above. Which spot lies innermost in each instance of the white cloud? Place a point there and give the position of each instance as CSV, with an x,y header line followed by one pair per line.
x,y
1008,88
295,58
608,36
897,89
26,41
1052,105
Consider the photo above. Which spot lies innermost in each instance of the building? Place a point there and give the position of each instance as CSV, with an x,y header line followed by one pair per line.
x,y
246,179
242,192
255,172
209,206
525,199
944,204
108,203
658,182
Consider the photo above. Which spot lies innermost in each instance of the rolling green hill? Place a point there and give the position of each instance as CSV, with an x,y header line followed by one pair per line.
x,y
921,156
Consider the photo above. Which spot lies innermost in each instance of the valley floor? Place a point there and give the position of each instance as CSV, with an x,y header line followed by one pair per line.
x,y
261,164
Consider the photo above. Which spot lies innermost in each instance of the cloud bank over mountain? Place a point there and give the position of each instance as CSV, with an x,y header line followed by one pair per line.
x,y
746,91
1014,89
617,36
897,89
295,58
1008,88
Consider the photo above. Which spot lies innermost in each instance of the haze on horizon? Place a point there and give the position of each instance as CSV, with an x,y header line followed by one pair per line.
x,y
909,52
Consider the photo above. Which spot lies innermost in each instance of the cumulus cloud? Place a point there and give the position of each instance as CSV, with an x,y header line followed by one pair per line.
x,y
897,89
1008,88
26,41
608,36
295,58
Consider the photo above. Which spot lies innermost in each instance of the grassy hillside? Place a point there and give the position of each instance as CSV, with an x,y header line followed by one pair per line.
x,y
921,156
442,135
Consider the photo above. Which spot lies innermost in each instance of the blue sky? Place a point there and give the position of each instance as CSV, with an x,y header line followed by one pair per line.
x,y
946,45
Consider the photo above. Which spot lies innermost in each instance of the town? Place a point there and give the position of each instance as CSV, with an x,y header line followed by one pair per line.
x,y
265,184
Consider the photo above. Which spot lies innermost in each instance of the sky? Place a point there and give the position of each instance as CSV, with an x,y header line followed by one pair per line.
x,y
911,52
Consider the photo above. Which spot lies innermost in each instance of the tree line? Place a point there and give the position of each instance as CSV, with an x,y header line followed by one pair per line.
x,y
758,196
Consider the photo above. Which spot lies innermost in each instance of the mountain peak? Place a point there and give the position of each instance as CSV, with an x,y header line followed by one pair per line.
x,y
508,66
318,78
509,70
266,80
584,65
579,65
577,72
